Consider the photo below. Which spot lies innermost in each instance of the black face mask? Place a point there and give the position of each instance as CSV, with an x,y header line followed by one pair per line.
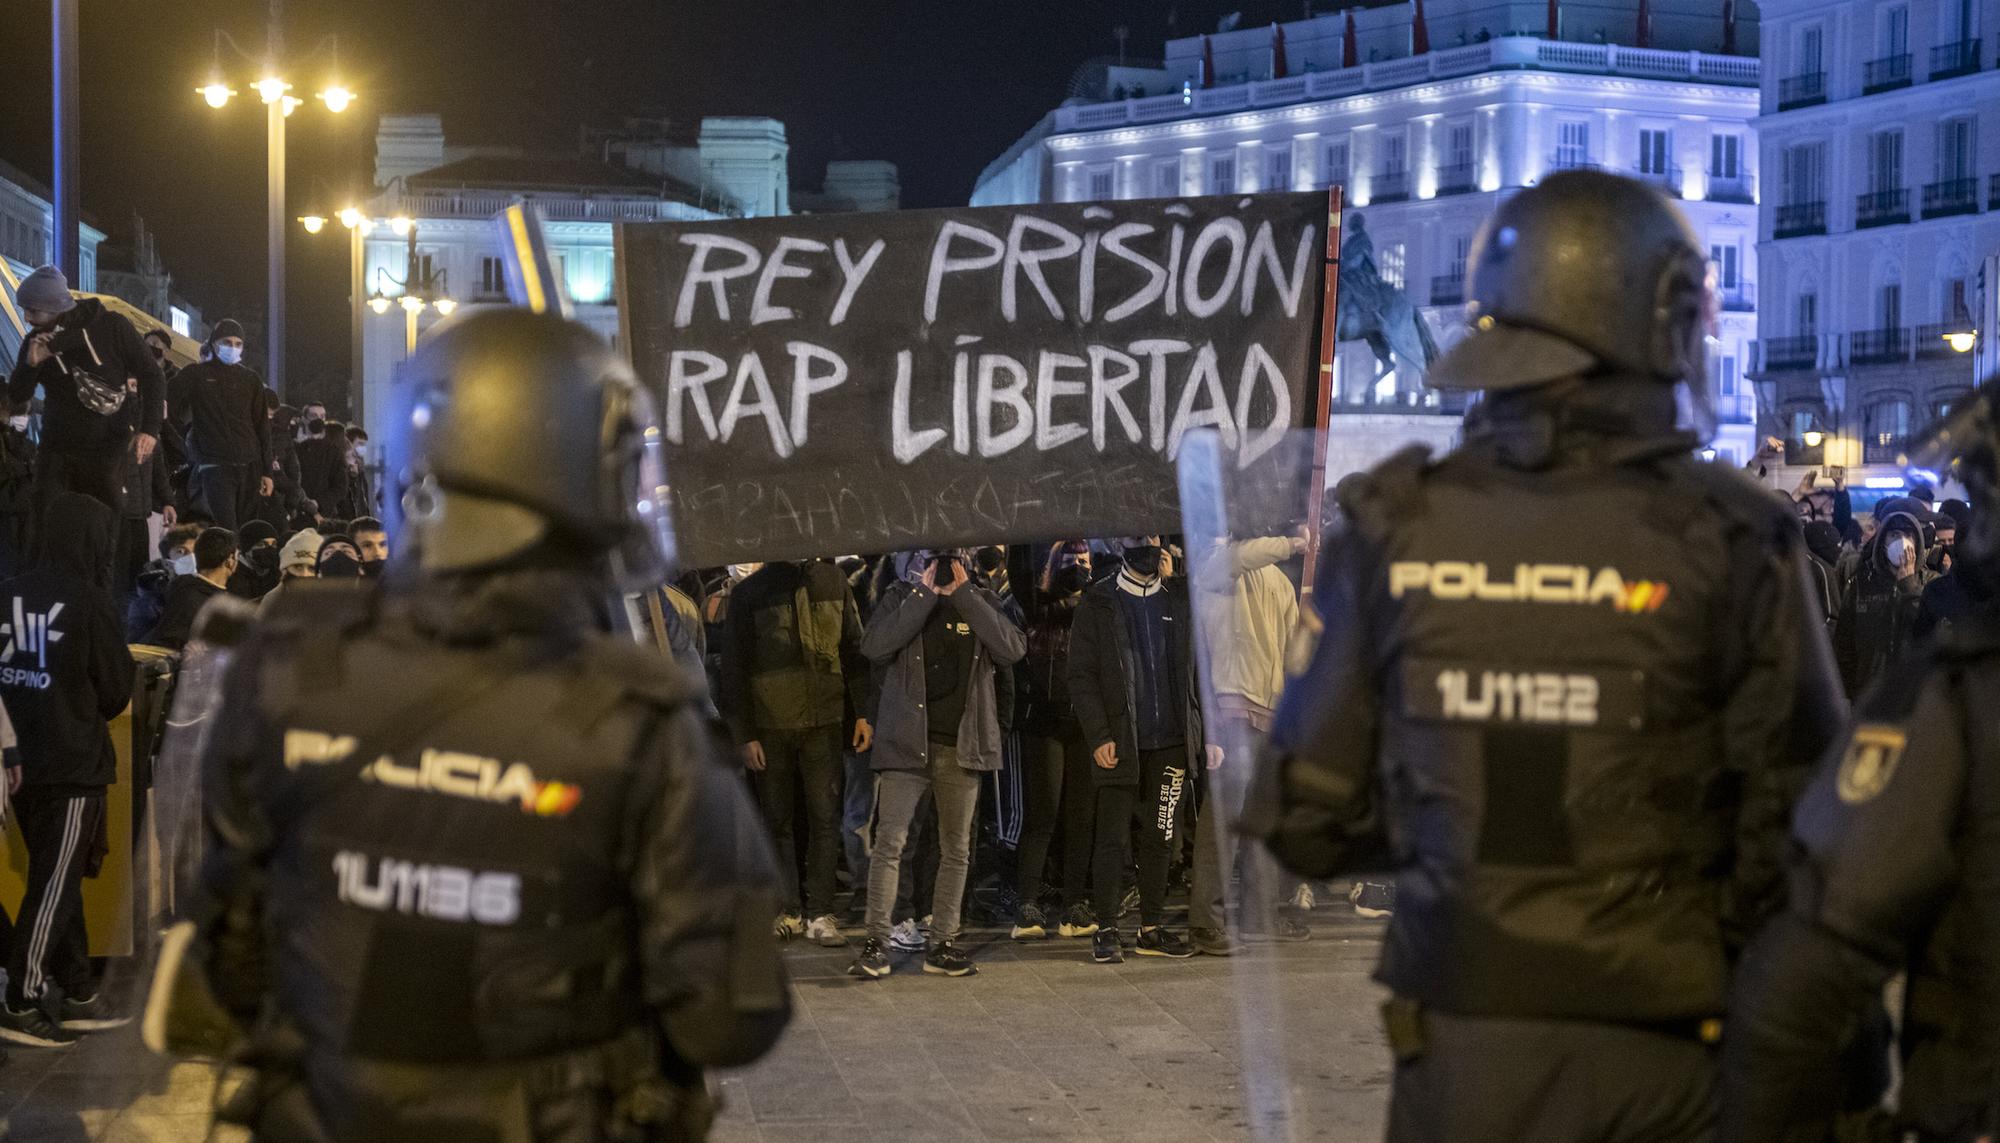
x,y
1071,579
990,560
339,565
944,569
373,567
1143,561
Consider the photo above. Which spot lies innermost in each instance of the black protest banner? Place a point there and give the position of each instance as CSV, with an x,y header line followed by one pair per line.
x,y
941,378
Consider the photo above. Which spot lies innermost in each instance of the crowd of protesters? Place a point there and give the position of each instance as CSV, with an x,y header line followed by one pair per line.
x,y
1052,739
131,493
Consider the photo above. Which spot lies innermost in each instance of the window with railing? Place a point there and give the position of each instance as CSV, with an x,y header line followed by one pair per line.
x,y
1101,184
1572,146
1727,259
1392,263
1278,168
1948,61
492,277
1167,179
1655,149
1333,163
1886,430
1222,175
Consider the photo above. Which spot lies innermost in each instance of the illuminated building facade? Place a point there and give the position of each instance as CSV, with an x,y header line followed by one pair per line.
x,y
1427,141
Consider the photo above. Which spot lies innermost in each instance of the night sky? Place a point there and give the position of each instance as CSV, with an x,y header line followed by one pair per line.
x,y
939,87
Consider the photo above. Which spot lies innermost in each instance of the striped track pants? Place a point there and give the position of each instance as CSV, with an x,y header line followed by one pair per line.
x,y
48,945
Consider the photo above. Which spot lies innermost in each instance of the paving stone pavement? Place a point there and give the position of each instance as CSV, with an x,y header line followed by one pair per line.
x,y
1280,1043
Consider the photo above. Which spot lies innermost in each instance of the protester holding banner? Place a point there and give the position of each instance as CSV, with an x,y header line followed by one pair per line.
x,y
1132,681
944,643
793,687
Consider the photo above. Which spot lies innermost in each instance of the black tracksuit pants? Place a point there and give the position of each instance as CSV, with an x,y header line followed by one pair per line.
x,y
1151,810
805,761
1057,787
228,492
48,947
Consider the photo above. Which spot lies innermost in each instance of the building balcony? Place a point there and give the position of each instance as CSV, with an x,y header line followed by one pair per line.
x,y
1389,186
1801,352
1506,53
1737,188
1799,218
1571,161
1951,60
1668,180
1885,74
1878,346
1448,289
1455,179
1802,90
1881,208
1952,196
1738,298
1930,340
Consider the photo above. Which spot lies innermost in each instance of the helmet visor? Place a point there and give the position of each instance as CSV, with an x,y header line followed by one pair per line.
x,y
647,555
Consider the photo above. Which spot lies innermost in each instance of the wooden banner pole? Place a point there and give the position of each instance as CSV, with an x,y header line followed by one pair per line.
x,y
1329,305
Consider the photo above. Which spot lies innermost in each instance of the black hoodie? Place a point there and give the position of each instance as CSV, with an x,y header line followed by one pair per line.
x,y
64,669
93,337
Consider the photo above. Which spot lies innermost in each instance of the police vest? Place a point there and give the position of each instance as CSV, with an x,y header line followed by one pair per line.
x,y
1552,678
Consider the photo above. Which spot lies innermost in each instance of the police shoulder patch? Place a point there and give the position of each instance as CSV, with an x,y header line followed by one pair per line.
x,y
1870,762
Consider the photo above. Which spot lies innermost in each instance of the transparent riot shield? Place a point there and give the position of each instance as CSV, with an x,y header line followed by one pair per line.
x,y
1308,1034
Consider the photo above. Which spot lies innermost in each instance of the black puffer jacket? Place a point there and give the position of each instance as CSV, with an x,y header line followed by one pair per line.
x,y
548,861
1879,611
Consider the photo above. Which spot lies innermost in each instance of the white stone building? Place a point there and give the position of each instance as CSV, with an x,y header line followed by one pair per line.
x,y
1427,142
1881,127
644,170
27,222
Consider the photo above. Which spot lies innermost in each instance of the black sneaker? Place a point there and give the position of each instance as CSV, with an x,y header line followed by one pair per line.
x,y
91,1014
1105,949
1290,930
1211,942
1078,922
33,1028
1372,899
1032,925
1160,942
946,960
872,962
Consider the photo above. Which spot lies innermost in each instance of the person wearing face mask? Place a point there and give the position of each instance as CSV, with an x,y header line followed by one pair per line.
x,y
298,559
945,650
361,491
257,573
1056,774
338,559
323,467
215,559
225,410
1132,683
1878,613
102,392
148,600
371,543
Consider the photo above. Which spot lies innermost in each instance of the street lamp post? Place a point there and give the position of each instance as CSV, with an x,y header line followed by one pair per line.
x,y
278,105
419,286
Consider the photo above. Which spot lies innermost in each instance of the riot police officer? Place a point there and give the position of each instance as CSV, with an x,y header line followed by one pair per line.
x,y
1568,681
1896,868
476,869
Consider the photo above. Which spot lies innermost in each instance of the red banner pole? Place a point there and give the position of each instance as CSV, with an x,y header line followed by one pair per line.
x,y
1329,304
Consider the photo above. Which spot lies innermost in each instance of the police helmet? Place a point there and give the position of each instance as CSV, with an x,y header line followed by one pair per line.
x,y
533,436
1587,272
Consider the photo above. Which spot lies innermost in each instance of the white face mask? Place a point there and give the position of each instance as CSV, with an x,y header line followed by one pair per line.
x,y
184,565
20,423
229,354
1898,546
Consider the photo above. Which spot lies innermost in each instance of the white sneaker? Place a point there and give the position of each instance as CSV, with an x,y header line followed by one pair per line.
x,y
789,925
1302,897
906,938
825,932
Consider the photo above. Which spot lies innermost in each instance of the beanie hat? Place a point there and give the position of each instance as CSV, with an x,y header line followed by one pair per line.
x,y
46,289
227,327
255,532
301,551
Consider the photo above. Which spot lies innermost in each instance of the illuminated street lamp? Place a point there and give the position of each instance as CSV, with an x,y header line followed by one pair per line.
x,y
1961,334
445,306
378,302
1813,438
401,224
272,88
